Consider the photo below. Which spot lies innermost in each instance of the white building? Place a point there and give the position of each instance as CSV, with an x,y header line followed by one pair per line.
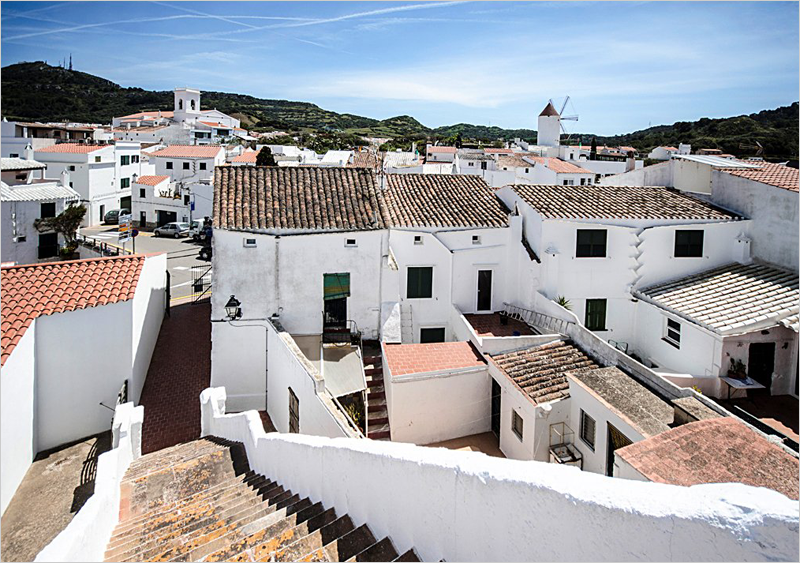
x,y
662,153
156,201
101,174
24,200
526,168
188,163
475,162
549,132
438,153
16,135
66,351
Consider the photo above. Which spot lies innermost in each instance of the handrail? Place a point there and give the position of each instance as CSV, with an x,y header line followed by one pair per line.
x,y
536,320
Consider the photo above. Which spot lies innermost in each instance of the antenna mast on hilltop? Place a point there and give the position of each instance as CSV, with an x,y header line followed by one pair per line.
x,y
70,61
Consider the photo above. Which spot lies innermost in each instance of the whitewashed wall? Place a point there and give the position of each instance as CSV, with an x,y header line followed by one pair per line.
x,y
147,312
24,213
690,176
17,415
465,506
655,175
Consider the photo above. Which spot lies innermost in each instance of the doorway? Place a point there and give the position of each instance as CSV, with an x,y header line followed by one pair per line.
x,y
496,408
102,213
336,290
164,217
484,290
761,363
615,441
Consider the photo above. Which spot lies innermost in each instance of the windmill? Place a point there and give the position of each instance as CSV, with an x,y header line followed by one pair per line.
x,y
757,147
563,118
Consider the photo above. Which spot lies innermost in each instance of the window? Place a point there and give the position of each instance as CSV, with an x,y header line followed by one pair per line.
x,y
427,335
517,424
48,245
48,210
21,238
526,170
72,168
135,158
471,164
672,333
688,244
418,239
169,166
14,155
587,429
142,193
97,159
483,166
22,176
420,283
186,166
595,314
583,181
476,239
351,242
124,160
186,199
591,243
294,412
202,166
124,183
569,182
249,242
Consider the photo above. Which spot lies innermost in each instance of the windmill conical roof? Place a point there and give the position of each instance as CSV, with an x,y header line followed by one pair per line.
x,y
549,110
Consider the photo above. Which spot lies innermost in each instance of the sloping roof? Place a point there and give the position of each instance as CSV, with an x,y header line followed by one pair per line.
x,y
309,199
151,180
40,191
190,151
216,125
719,450
549,110
734,298
541,371
491,150
438,148
146,129
20,164
248,156
397,159
616,202
404,359
429,200
560,166
514,160
36,290
631,400
770,173
75,148
715,161
474,155
364,159
149,114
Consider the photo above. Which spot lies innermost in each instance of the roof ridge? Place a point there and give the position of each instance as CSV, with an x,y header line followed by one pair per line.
x,y
79,260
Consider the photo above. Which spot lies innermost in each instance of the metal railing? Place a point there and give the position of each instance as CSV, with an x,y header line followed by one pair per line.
x,y
102,248
537,321
345,333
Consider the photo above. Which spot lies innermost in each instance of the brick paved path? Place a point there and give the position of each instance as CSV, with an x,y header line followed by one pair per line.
x,y
179,370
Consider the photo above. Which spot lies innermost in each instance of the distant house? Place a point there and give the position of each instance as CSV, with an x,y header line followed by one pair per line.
x,y
188,163
64,352
437,153
662,153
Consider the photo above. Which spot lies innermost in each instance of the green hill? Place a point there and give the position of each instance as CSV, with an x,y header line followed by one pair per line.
x,y
38,91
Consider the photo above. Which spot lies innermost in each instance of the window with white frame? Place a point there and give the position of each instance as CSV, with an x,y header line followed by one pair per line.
x,y
417,239
350,242
672,333
476,239
517,424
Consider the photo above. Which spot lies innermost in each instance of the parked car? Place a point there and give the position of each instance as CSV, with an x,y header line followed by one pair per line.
x,y
175,230
112,217
200,230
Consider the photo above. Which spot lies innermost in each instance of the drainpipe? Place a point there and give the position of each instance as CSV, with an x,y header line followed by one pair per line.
x,y
277,272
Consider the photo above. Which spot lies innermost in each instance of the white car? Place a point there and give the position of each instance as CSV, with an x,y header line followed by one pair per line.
x,y
175,230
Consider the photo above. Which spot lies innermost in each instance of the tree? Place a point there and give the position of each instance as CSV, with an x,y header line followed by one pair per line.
x,y
593,149
265,158
66,224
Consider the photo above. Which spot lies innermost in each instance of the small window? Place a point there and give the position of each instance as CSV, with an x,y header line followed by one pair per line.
x,y
420,283
587,429
169,165
135,158
591,243
583,181
142,193
351,242
294,413
14,155
124,183
72,168
97,159
21,238
428,335
483,166
569,182
476,239
595,314
202,166
48,210
124,160
418,239
249,242
471,164
688,244
22,176
186,199
517,424
672,333
526,170
186,166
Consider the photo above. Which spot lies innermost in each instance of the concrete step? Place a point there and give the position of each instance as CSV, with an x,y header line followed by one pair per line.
x,y
378,432
376,371
372,360
409,556
380,551
373,382
314,540
376,393
266,550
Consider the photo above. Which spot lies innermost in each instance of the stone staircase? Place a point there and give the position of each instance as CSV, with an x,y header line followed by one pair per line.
x,y
377,411
200,501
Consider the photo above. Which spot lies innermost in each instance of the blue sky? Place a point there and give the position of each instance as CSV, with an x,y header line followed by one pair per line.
x,y
626,65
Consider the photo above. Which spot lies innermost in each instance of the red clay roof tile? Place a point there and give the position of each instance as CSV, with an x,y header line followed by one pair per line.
x,y
404,359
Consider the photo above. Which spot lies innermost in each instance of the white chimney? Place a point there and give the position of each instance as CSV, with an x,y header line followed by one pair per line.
x,y
28,152
64,178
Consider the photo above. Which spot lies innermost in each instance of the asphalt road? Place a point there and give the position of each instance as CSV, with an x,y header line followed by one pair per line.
x,y
182,254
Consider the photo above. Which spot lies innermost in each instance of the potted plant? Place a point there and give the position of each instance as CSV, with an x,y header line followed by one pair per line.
x,y
564,302
68,252
503,318
66,224
737,370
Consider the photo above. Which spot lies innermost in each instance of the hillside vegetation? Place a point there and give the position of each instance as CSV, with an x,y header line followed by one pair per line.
x,y
41,92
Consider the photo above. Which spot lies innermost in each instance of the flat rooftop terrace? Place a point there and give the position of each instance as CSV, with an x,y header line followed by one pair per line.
x,y
492,325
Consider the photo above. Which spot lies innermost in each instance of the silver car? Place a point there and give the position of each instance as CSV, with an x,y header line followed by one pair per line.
x,y
175,230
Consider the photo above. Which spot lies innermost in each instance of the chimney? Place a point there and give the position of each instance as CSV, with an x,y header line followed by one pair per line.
x,y
64,178
28,152
630,164
414,147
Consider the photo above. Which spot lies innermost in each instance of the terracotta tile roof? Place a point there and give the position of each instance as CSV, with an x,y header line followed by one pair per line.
x,y
451,150
498,151
72,148
735,298
515,160
633,402
151,180
404,359
490,325
248,156
146,114
189,151
147,129
615,202
364,159
541,371
268,199
434,200
770,173
720,450
217,125
560,166
36,290
669,148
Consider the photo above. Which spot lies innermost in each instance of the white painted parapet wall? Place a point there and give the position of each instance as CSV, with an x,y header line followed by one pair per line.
x,y
87,535
466,506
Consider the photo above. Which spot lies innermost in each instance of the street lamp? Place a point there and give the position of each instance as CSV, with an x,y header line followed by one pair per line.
x,y
232,309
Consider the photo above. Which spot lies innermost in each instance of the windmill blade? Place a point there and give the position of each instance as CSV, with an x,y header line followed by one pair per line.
x,y
569,118
564,105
